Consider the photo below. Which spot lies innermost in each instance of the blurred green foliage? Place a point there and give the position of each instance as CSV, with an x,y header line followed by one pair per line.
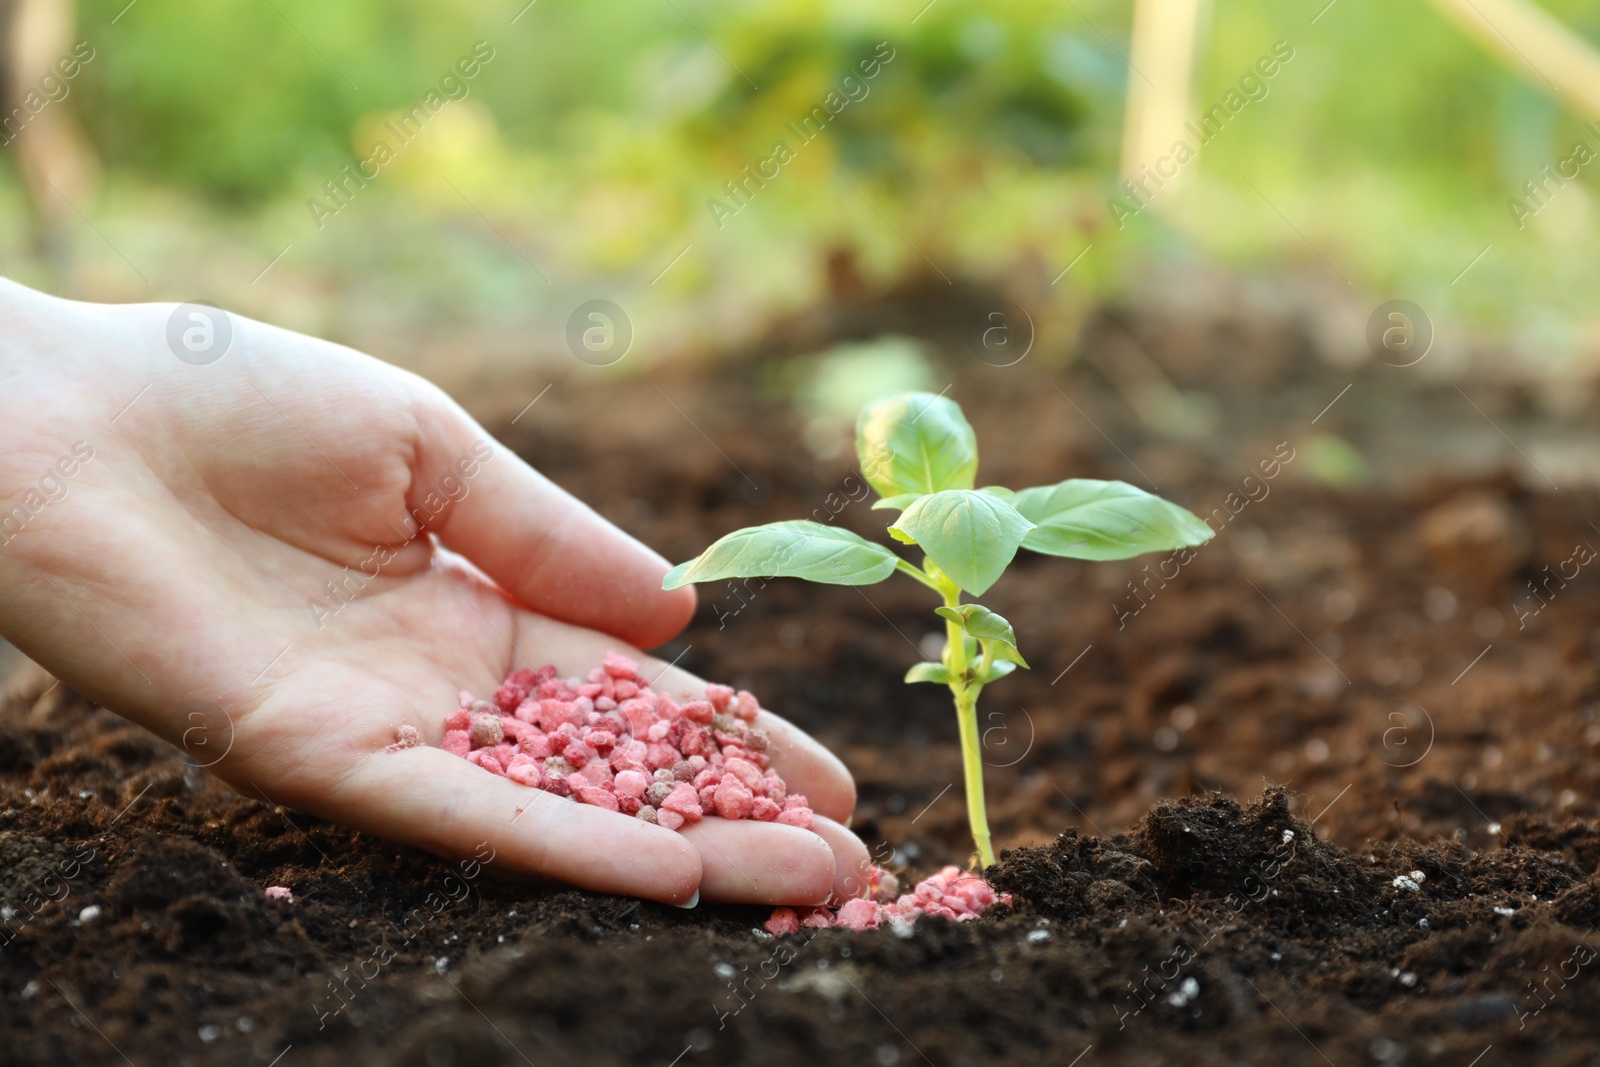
x,y
989,144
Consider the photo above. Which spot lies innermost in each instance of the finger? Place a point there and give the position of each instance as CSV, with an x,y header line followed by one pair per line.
x,y
748,862
434,800
806,766
538,542
852,863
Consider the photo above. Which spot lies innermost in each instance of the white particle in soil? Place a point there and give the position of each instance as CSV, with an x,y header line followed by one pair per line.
x,y
1276,956
441,964
210,1032
1505,912
996,975
1423,922
1187,990
1037,937
724,970
1408,884
89,914
1408,979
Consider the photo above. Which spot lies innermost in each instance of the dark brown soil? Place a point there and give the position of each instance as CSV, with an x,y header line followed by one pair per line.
x,y
1334,694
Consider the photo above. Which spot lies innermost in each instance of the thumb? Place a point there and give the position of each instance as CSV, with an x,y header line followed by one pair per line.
x,y
534,539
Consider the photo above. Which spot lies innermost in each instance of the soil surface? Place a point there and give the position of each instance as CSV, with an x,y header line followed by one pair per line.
x,y
1325,795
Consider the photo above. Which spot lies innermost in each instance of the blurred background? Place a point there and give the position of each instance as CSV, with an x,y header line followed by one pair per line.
x,y
189,159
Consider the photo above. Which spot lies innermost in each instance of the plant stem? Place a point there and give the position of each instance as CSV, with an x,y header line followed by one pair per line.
x,y
966,697
905,568
972,771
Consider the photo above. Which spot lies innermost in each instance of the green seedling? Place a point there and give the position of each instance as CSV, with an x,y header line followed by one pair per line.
x,y
920,454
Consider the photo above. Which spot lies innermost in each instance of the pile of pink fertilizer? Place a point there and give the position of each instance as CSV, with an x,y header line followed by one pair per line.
x,y
951,894
615,743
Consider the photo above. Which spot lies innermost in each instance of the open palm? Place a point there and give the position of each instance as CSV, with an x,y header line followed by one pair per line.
x,y
280,553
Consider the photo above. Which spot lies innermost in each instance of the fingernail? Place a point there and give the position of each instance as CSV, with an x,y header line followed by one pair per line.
x,y
692,902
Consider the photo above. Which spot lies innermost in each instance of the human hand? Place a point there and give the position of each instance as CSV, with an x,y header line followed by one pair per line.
x,y
287,554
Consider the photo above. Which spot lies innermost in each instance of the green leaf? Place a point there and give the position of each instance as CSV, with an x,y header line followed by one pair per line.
x,y
795,549
972,536
998,490
929,672
988,626
895,503
1086,519
916,443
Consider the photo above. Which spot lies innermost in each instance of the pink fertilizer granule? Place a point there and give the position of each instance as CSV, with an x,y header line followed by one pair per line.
x,y
952,894
280,892
615,743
